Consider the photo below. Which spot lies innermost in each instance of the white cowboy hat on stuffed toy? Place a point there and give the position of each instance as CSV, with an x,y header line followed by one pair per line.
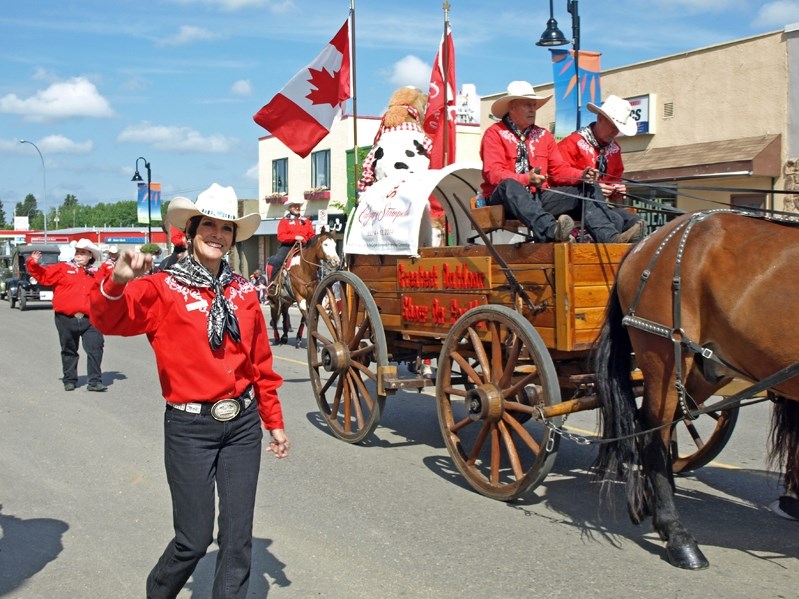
x,y
517,90
617,111
85,244
216,202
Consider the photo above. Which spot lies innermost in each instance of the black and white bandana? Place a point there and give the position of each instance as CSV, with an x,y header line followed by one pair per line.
x,y
522,159
221,316
587,133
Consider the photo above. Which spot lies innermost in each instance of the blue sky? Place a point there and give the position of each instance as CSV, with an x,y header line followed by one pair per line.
x,y
96,84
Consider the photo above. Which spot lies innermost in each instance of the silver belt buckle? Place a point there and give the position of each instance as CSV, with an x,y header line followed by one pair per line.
x,y
79,315
225,409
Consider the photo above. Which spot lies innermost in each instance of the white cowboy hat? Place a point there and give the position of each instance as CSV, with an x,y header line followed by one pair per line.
x,y
294,203
85,244
216,202
517,90
112,249
617,111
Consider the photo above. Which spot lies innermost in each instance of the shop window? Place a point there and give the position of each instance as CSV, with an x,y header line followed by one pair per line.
x,y
320,169
280,179
655,205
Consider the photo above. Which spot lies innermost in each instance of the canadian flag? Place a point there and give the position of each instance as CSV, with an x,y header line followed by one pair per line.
x,y
441,111
304,111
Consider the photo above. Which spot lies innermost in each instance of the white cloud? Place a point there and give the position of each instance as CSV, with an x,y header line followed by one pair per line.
x,y
74,98
777,14
242,87
253,172
411,70
58,144
186,35
169,137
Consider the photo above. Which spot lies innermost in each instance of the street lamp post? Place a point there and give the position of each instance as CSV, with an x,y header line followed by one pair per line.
x,y
44,183
138,179
552,36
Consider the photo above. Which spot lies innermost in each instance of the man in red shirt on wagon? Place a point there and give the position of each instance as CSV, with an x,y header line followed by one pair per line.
x,y
595,146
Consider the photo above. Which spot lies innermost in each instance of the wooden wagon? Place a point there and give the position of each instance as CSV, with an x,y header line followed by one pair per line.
x,y
510,323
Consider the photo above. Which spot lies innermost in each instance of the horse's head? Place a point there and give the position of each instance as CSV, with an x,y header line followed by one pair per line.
x,y
327,243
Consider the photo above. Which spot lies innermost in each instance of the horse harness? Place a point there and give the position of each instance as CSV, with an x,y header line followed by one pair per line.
x,y
676,333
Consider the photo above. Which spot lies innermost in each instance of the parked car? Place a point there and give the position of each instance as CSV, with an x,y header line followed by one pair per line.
x,y
5,274
21,287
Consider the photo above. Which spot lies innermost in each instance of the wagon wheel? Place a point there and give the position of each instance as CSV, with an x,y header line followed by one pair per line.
x,y
346,355
493,366
706,436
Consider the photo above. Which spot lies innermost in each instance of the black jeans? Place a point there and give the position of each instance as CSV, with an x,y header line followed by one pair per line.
x,y
70,331
278,259
202,454
539,211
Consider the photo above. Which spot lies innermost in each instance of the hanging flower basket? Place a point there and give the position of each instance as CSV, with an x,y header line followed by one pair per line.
x,y
317,193
276,198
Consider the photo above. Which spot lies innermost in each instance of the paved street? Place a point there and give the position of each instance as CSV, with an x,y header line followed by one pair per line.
x,y
85,506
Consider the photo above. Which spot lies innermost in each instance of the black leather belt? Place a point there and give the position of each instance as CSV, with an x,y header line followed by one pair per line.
x,y
222,410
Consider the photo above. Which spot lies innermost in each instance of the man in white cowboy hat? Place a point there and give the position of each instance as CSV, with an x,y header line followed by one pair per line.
x,y
520,157
205,325
291,229
72,283
595,146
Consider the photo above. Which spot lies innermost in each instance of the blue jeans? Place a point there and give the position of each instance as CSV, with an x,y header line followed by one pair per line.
x,y
201,454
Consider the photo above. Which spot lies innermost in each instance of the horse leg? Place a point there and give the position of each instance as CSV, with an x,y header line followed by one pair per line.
x,y
300,329
274,310
681,547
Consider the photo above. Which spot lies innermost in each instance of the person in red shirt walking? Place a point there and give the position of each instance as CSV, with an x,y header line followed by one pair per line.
x,y
205,325
595,146
291,229
519,158
72,282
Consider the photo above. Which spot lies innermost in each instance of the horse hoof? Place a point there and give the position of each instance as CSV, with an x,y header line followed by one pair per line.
x,y
687,557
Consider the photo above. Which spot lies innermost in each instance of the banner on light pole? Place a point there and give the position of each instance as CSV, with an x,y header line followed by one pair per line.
x,y
142,213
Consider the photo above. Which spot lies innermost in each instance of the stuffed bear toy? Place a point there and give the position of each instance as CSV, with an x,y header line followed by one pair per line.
x,y
400,146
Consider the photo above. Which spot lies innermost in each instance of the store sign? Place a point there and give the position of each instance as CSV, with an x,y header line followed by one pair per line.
x,y
641,113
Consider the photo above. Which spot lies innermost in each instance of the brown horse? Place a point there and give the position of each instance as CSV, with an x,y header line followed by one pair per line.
x,y
297,280
708,297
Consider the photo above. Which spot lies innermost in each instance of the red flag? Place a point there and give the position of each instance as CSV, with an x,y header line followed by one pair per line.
x,y
304,111
441,110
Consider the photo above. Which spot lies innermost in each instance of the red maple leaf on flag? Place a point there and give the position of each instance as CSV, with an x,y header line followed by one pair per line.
x,y
327,87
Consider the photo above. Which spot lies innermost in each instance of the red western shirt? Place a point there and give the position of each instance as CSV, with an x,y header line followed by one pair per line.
x,y
175,319
581,154
71,285
291,226
498,151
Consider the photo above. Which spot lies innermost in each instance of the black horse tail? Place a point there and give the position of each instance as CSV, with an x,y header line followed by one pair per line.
x,y
619,455
784,440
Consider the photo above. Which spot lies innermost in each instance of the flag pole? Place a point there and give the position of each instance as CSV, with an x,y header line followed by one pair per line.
x,y
353,90
445,64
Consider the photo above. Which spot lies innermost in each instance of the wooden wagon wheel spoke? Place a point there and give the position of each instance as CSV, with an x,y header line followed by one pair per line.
x,y
329,383
519,429
482,357
325,317
483,381
510,364
510,447
365,370
363,332
357,392
334,311
497,359
704,439
466,368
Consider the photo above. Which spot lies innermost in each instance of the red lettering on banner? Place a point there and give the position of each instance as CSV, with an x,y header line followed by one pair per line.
x,y
456,310
417,279
413,312
460,277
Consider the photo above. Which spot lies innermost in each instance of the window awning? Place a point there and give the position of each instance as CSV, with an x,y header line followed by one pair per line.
x,y
755,156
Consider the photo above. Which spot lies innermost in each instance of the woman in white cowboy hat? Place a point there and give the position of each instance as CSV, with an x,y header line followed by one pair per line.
x,y
291,229
72,283
595,146
211,347
519,158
